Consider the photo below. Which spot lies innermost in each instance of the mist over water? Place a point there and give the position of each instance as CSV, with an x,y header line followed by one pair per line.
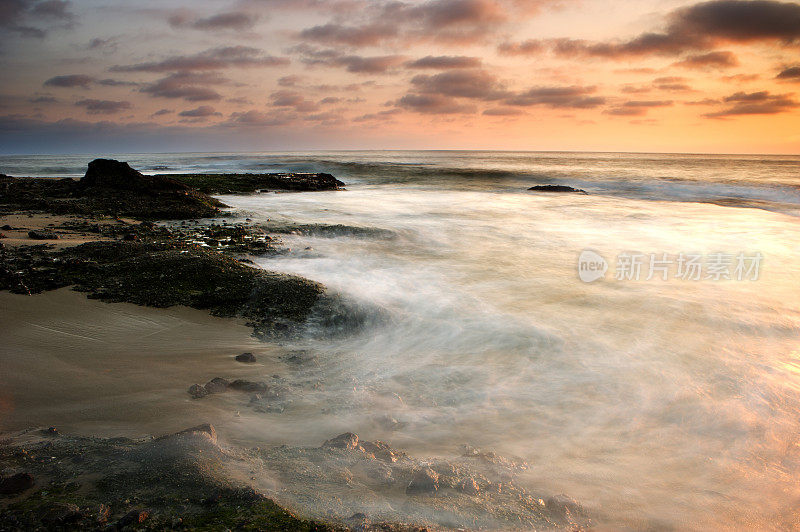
x,y
654,403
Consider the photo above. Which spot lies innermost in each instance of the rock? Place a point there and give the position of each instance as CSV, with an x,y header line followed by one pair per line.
x,y
134,517
247,358
109,173
425,480
469,486
557,188
217,385
2,235
563,506
206,429
348,441
380,450
52,431
61,514
6,228
248,386
16,483
42,235
197,391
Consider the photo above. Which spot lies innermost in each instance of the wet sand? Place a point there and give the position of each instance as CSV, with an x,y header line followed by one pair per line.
x,y
117,369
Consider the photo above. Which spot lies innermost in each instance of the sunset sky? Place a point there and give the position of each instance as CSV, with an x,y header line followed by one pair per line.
x,y
95,76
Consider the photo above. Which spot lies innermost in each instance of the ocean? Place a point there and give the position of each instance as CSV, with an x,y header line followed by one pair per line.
x,y
638,346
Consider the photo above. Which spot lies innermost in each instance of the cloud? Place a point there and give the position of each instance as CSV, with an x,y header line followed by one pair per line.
x,y
433,104
476,84
444,62
98,44
289,81
162,112
529,47
294,99
366,35
70,81
190,86
43,99
790,74
211,59
699,27
756,103
671,83
352,63
718,59
105,107
260,119
408,23
203,111
381,116
233,20
17,15
117,83
572,97
637,107
503,111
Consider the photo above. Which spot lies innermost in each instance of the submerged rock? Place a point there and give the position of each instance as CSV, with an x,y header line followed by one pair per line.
x,y
556,188
242,385
425,480
197,391
217,385
247,358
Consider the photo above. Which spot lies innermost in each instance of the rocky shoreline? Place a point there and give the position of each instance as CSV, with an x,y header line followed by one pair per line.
x,y
98,236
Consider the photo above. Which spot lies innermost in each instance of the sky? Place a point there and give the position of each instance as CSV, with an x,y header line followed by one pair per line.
x,y
94,76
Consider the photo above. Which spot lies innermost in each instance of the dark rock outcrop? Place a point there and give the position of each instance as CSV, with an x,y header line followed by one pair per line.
x,y
247,183
557,188
110,188
42,235
16,483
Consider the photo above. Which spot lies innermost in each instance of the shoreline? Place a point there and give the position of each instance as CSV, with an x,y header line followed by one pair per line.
x,y
134,267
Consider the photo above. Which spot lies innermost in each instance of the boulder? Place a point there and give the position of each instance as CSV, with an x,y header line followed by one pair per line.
x,y
557,188
348,441
197,391
247,358
425,480
16,483
217,385
109,173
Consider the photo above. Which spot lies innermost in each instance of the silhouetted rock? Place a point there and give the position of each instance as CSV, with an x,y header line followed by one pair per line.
x,y
245,183
556,188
